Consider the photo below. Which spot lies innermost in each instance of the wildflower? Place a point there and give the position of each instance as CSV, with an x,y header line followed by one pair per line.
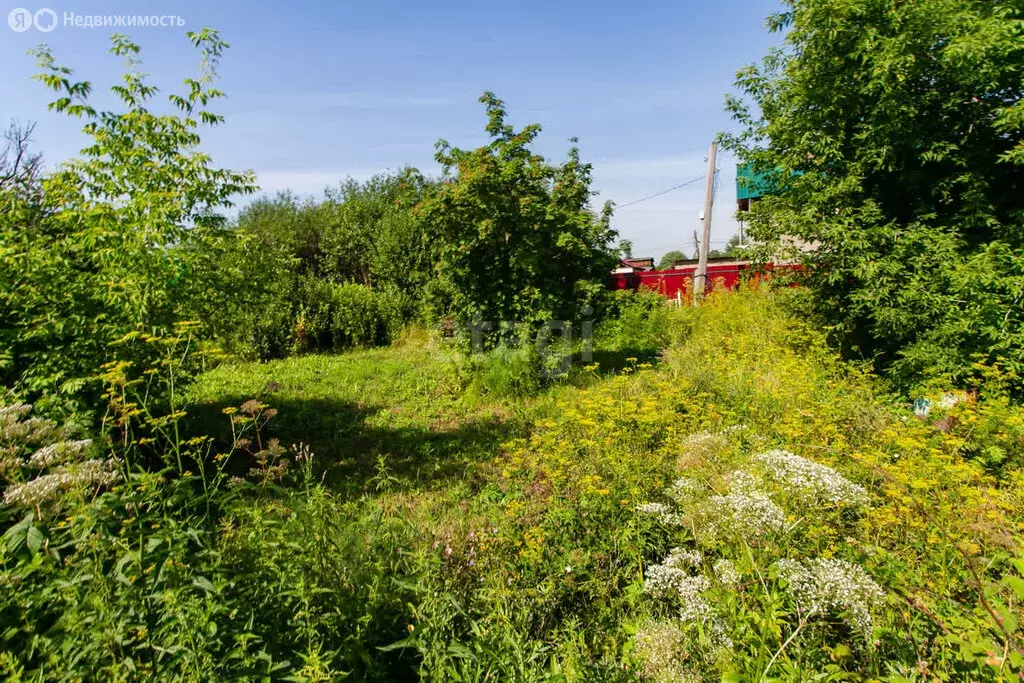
x,y
683,490
15,428
568,569
15,411
662,648
746,510
44,490
950,399
718,635
682,558
58,452
303,453
251,407
9,460
671,582
820,586
817,481
662,512
726,573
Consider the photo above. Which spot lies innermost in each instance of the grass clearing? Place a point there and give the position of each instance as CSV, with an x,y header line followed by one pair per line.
x,y
528,558
403,406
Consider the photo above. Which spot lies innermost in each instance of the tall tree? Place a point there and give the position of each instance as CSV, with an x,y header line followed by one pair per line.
x,y
894,132
518,238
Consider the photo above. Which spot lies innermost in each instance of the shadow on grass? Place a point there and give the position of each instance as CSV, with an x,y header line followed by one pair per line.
x,y
616,361
356,455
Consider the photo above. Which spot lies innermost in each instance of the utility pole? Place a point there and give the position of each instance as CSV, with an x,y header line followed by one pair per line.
x,y
700,281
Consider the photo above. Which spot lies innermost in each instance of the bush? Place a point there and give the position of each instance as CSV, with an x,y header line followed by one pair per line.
x,y
634,321
356,318
113,250
915,228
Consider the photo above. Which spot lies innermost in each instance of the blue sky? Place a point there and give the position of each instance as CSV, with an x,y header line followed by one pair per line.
x,y
320,91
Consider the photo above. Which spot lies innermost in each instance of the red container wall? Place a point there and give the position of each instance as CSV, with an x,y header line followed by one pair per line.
x,y
671,282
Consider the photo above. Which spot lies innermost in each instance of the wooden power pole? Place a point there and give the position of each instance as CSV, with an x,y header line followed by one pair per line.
x,y
700,280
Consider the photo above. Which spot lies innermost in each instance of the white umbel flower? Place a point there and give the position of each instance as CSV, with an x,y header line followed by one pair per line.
x,y
746,510
44,490
663,513
683,490
822,484
828,586
682,558
725,572
57,453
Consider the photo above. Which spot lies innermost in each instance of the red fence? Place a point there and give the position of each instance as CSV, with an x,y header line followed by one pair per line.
x,y
679,281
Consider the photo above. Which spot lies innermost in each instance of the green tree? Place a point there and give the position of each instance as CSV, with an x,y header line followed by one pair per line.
x,y
895,131
671,257
518,239
129,236
625,248
732,249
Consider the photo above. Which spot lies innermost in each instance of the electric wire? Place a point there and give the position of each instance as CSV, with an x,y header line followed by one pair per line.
x,y
658,194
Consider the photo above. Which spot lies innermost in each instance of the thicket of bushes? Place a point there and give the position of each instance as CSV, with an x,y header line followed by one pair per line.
x,y
895,135
504,237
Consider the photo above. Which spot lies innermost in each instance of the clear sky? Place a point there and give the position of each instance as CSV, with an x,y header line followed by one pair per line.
x,y
318,91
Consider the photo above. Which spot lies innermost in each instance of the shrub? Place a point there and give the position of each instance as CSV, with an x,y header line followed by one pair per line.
x,y
113,248
356,318
634,321
506,372
916,228
518,239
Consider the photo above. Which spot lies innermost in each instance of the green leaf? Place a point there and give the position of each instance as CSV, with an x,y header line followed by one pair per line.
x,y
203,583
34,539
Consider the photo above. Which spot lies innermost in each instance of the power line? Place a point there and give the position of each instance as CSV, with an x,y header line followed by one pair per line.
x,y
658,194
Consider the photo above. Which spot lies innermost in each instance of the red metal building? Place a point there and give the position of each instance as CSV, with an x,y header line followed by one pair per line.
x,y
677,282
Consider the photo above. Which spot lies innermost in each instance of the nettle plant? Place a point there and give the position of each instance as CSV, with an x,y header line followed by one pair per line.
x,y
131,236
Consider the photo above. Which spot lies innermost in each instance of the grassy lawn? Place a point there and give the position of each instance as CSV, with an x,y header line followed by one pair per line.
x,y
402,407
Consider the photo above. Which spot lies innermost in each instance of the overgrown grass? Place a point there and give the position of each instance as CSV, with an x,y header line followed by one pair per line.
x,y
402,406
594,531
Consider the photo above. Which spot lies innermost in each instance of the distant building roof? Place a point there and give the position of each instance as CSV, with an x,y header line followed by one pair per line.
x,y
640,263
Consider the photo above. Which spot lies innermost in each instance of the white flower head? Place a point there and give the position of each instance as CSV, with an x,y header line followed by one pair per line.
x,y
57,453
45,490
746,510
827,586
663,513
726,573
682,558
684,490
815,481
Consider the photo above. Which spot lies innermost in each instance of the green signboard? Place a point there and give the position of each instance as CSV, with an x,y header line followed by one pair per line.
x,y
752,185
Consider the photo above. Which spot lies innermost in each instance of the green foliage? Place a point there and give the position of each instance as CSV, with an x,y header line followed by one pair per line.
x,y
671,257
638,322
518,240
342,316
127,236
313,268
443,536
506,372
897,126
